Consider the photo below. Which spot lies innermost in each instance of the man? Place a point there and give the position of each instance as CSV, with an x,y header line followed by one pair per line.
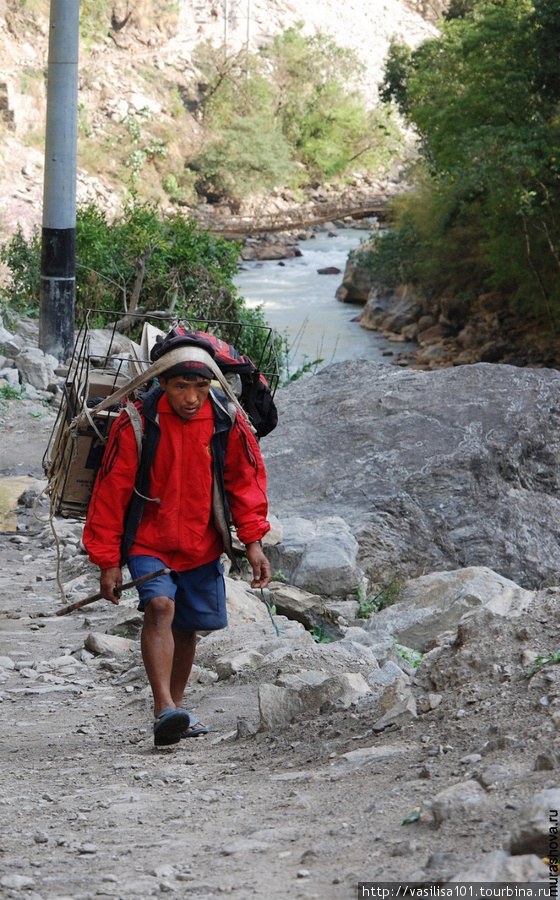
x,y
198,470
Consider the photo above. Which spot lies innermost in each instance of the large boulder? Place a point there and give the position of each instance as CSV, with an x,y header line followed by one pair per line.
x,y
435,603
431,470
390,310
36,368
357,280
319,557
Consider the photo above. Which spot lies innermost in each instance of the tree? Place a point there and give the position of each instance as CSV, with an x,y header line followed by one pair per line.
x,y
284,115
484,100
139,263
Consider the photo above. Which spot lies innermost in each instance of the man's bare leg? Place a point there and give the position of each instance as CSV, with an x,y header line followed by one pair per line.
x,y
185,648
183,658
158,650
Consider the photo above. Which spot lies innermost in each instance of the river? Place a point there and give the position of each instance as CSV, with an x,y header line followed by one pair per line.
x,y
301,304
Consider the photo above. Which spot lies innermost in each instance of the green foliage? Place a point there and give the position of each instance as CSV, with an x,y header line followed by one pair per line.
x,y
248,156
320,636
20,289
279,576
174,263
141,262
387,595
308,367
414,657
9,392
95,20
542,661
284,114
484,100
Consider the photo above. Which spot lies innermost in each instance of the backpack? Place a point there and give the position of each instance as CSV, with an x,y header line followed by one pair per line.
x,y
246,381
76,447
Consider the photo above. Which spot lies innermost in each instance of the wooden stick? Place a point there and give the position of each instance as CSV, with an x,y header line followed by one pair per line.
x,y
130,584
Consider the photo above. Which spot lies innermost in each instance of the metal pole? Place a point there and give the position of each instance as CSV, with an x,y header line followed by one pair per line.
x,y
58,250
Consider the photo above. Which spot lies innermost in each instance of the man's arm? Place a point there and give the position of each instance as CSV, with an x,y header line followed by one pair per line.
x,y
259,564
245,482
111,495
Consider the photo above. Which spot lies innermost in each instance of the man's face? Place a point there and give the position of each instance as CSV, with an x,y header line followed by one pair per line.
x,y
185,394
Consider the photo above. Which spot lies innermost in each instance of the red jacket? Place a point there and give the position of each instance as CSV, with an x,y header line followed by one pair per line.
x,y
179,529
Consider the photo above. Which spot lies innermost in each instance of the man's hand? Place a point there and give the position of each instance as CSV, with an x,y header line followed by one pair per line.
x,y
259,564
110,582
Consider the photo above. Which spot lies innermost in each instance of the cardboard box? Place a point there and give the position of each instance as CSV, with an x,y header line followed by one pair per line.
x,y
82,457
100,385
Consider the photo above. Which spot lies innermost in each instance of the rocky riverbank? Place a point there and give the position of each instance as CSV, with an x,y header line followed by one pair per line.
x,y
449,332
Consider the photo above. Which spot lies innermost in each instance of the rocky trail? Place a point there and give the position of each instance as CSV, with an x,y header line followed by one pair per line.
x,y
326,764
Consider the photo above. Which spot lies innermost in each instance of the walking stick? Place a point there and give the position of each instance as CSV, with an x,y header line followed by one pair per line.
x,y
130,584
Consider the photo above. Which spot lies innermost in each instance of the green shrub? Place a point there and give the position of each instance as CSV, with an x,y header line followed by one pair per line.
x,y
20,289
142,262
248,156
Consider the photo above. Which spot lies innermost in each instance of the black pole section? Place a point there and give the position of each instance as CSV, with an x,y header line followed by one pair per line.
x,y
58,250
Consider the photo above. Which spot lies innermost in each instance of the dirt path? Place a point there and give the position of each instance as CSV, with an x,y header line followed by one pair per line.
x,y
90,809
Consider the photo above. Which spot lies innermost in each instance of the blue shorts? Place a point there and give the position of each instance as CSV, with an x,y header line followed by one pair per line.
x,y
199,594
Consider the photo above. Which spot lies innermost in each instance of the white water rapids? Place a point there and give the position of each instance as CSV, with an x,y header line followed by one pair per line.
x,y
301,304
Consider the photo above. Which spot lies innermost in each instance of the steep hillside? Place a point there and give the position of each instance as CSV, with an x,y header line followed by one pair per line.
x,y
135,72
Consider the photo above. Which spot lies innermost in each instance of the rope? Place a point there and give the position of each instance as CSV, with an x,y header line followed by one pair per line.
x,y
165,362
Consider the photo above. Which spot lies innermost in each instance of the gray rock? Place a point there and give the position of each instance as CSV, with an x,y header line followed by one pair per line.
x,y
16,882
296,604
5,335
435,603
245,845
259,636
400,714
285,556
390,310
243,606
10,376
341,690
395,693
492,775
546,761
36,368
352,651
531,834
347,609
433,470
277,706
30,494
319,556
109,645
499,867
328,565
297,680
357,281
367,757
386,675
226,666
462,800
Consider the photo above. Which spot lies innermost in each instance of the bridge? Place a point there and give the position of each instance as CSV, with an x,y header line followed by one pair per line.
x,y
304,216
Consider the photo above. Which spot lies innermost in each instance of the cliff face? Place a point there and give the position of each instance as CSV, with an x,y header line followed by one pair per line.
x,y
135,68
431,471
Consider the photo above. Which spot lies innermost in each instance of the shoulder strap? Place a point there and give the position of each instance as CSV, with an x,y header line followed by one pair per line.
x,y
148,447
136,421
